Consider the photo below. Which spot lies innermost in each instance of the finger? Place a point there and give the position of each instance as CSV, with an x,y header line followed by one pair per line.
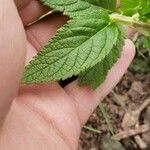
x,y
31,52
40,33
85,99
130,32
21,3
12,54
30,10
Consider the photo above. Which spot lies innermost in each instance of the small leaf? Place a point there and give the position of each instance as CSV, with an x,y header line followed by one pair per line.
x,y
80,44
129,7
132,7
145,9
96,75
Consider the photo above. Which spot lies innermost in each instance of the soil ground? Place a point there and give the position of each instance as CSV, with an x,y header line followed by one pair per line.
x,y
132,91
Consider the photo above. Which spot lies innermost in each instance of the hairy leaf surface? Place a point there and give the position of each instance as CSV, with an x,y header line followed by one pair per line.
x,y
97,74
80,44
71,8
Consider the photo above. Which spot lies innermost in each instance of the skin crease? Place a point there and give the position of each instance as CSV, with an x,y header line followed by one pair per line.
x,y
43,116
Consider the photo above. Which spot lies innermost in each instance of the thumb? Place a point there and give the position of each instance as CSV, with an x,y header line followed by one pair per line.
x,y
12,54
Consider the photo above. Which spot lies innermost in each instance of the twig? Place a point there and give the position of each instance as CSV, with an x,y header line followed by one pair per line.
x,y
41,17
140,142
131,117
131,132
144,105
118,101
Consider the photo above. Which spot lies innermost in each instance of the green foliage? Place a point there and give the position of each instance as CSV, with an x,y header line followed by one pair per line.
x,y
147,43
107,4
131,7
89,44
145,9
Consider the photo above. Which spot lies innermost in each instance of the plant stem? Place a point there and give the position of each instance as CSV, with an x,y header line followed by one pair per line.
x,y
130,21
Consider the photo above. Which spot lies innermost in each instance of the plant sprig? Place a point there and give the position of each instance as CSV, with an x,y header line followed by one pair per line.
x,y
91,41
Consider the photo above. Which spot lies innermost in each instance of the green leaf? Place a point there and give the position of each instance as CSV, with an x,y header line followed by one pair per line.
x,y
71,8
80,44
107,4
145,9
147,43
129,7
96,75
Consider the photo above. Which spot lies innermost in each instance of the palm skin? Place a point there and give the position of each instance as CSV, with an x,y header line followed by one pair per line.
x,y
46,116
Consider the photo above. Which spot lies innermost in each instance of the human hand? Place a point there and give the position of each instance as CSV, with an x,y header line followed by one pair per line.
x,y
45,116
